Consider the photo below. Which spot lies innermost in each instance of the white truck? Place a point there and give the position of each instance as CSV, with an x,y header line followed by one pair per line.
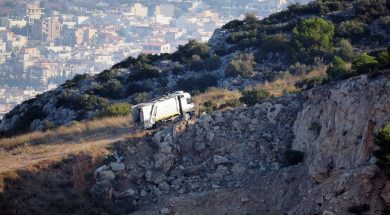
x,y
163,108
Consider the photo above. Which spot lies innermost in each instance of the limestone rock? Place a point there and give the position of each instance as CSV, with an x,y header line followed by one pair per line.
x,y
115,166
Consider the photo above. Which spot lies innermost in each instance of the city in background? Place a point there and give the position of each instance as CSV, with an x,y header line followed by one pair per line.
x,y
43,43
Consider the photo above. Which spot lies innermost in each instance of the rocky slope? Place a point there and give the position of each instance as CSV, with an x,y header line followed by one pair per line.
x,y
233,162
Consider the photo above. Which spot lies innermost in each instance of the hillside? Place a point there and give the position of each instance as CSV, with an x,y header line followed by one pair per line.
x,y
296,106
242,54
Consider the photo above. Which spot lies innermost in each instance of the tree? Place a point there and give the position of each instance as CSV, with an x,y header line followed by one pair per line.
x,y
251,18
338,69
313,38
364,63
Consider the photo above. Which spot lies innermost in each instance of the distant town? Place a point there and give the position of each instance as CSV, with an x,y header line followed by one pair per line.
x,y
43,43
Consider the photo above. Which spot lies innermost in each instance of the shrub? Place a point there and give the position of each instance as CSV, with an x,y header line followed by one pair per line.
x,y
299,69
197,84
116,109
105,76
384,59
273,43
196,63
185,53
216,99
309,83
254,96
293,157
251,18
125,64
352,29
146,72
22,124
345,50
313,38
241,65
382,139
385,23
233,25
141,97
364,63
338,69
77,79
112,89
368,10
213,63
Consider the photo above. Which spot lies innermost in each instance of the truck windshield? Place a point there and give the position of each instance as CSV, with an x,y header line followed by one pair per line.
x,y
189,101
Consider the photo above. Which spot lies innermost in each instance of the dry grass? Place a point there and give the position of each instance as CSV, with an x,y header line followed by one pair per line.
x,y
78,131
216,99
287,83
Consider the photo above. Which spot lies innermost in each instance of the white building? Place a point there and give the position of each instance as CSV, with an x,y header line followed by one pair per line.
x,y
166,10
139,10
157,48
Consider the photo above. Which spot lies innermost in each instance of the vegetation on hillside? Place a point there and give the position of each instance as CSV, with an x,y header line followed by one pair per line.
x,y
382,140
343,37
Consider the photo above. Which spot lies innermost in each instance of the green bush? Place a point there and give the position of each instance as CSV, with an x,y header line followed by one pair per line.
x,y
352,29
254,96
185,53
112,89
364,63
105,76
77,79
309,83
293,157
251,18
213,62
197,84
345,50
384,59
241,65
368,10
382,139
116,109
385,23
338,69
274,43
313,38
196,63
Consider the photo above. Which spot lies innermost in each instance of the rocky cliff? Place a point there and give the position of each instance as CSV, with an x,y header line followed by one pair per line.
x,y
234,162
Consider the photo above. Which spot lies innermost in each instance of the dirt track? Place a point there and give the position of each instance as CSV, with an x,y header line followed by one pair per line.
x,y
32,155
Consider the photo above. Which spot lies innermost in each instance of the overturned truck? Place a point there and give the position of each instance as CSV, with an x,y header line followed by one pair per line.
x,y
164,108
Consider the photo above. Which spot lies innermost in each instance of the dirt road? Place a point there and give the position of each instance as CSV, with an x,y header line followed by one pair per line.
x,y
31,155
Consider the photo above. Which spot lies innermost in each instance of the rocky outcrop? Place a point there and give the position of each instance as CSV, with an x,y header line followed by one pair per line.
x,y
336,126
234,160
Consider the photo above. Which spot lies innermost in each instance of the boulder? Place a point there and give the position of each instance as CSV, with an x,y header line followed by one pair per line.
x,y
220,173
102,190
99,170
115,166
106,175
193,170
218,159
